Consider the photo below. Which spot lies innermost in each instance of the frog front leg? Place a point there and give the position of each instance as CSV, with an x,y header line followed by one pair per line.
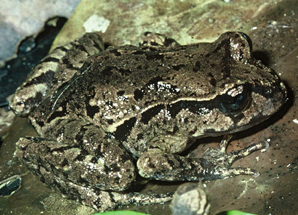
x,y
215,164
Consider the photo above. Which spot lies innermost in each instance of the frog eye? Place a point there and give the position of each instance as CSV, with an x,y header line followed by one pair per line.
x,y
247,38
236,99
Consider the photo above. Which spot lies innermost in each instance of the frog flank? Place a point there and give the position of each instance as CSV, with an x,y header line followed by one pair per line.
x,y
104,116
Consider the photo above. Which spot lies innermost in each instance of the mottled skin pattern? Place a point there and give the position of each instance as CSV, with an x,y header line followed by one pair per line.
x,y
141,104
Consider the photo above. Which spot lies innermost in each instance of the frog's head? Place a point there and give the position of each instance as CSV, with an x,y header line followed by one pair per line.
x,y
244,92
252,92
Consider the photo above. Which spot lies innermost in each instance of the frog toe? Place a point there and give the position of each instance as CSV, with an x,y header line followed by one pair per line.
x,y
240,171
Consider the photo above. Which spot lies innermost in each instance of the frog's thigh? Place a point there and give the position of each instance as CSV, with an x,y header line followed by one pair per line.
x,y
61,64
111,169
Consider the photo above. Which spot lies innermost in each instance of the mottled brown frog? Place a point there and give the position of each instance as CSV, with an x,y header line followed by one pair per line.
x,y
105,116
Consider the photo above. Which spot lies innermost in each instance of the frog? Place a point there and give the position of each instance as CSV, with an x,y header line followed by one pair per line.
x,y
106,117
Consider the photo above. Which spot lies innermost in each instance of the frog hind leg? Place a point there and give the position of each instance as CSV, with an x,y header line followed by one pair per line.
x,y
82,177
215,164
80,157
106,200
55,69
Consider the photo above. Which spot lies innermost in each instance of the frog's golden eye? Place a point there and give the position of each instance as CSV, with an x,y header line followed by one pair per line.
x,y
236,99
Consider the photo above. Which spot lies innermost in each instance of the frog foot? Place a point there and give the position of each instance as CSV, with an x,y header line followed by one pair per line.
x,y
217,163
